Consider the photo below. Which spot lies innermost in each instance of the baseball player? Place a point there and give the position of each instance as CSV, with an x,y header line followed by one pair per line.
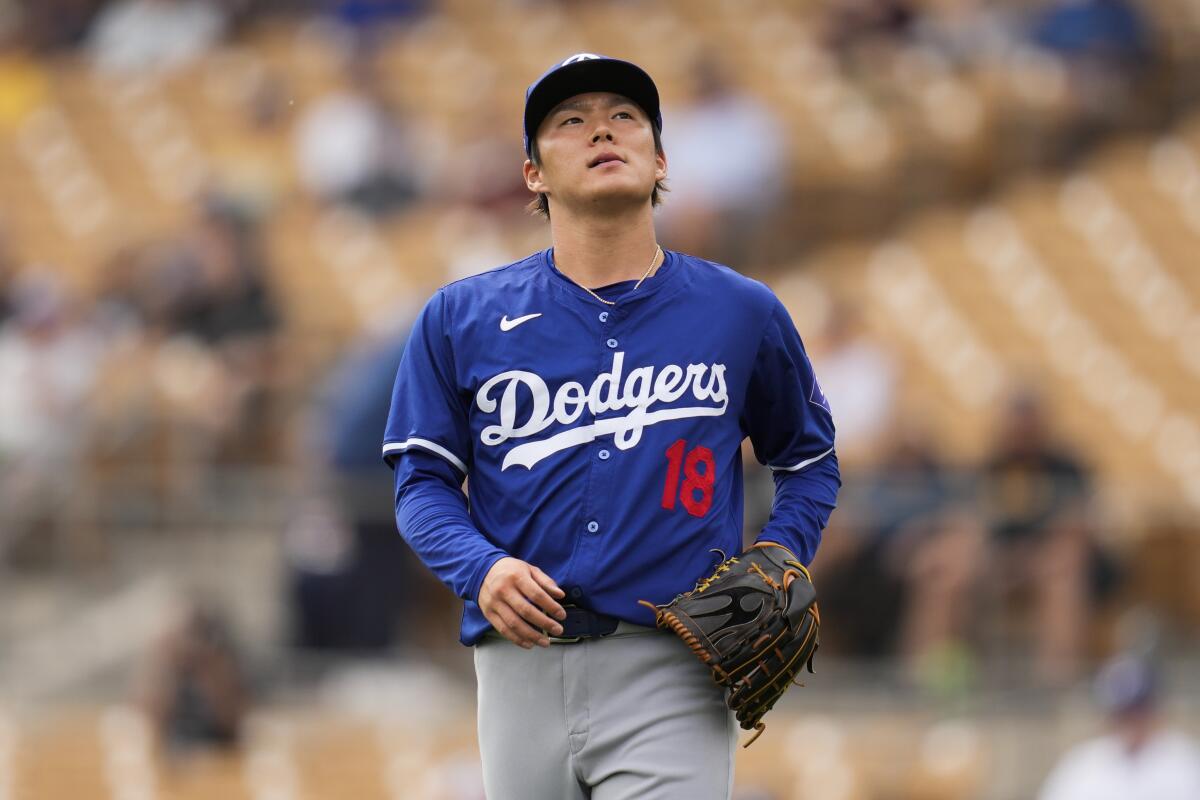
x,y
596,395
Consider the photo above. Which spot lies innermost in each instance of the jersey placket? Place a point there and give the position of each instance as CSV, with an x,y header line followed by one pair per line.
x,y
603,455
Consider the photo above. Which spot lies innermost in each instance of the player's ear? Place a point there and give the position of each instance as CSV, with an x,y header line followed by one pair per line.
x,y
533,177
660,165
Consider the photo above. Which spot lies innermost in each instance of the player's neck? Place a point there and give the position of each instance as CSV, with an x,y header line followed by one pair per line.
x,y
599,251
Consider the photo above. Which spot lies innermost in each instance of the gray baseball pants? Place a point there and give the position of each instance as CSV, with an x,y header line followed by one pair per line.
x,y
630,715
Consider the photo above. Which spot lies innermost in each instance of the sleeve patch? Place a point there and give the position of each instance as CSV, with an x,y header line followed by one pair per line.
x,y
817,396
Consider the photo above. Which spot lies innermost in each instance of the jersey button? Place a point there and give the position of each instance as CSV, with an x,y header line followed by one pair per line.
x,y
604,454
604,316
593,526
576,593
612,344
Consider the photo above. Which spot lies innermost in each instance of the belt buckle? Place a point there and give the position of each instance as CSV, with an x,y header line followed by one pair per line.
x,y
565,639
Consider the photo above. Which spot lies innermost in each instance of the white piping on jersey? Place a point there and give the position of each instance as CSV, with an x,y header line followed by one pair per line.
x,y
642,388
804,463
425,444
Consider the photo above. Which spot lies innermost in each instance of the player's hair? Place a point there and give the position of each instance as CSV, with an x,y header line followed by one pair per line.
x,y
541,203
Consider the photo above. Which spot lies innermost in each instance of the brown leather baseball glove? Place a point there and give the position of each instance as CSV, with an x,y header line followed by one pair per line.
x,y
754,622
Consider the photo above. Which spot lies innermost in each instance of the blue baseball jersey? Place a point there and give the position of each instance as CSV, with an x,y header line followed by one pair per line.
x,y
603,443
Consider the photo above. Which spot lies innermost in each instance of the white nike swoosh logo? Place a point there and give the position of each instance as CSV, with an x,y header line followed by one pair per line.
x,y
507,324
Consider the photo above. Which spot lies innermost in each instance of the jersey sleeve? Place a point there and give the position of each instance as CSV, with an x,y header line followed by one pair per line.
x,y
432,516
786,415
427,411
790,425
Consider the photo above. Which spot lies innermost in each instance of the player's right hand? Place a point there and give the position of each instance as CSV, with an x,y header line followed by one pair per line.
x,y
519,600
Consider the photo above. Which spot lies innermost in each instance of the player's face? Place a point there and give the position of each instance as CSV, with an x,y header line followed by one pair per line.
x,y
596,152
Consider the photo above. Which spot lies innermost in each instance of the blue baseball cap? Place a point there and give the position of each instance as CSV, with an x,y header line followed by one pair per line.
x,y
588,72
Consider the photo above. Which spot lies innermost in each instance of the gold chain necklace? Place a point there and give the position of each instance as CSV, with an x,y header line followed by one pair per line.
x,y
657,250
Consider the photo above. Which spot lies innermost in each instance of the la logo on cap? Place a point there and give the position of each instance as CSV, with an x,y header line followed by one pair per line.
x,y
579,57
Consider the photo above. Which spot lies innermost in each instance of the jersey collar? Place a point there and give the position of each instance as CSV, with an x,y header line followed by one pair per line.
x,y
621,293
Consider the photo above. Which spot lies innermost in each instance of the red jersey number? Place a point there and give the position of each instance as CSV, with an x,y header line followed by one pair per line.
x,y
699,472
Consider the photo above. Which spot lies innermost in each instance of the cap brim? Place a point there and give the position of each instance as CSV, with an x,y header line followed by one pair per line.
x,y
592,75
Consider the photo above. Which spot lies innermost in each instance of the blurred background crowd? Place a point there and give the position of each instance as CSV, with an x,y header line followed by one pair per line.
x,y
218,218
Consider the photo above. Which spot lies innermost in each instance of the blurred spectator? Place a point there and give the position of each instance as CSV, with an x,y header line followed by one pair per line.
x,y
367,14
8,270
854,29
355,584
909,529
225,303
351,147
1140,758
132,35
193,687
1108,32
1037,495
48,364
1107,48
909,536
725,156
231,299
204,305
48,24
317,548
931,540
967,32
208,281
362,597
859,377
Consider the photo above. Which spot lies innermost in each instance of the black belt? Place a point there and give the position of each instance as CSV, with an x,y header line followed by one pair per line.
x,y
583,624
